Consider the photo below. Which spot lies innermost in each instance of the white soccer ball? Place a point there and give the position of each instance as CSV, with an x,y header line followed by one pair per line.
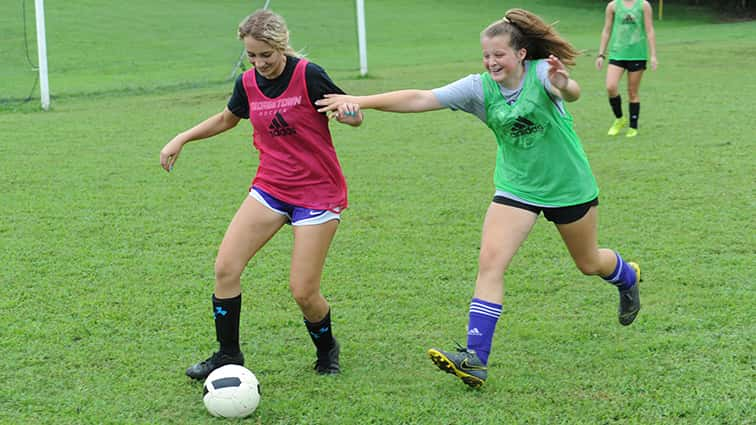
x,y
231,391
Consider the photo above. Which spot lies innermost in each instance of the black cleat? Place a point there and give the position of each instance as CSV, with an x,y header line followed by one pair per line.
x,y
465,364
200,370
328,362
629,300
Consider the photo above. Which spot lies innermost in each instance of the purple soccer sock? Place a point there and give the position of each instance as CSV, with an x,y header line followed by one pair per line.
x,y
623,276
481,327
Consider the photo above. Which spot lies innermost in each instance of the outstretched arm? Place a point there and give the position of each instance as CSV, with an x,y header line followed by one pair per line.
x,y
395,101
216,124
648,21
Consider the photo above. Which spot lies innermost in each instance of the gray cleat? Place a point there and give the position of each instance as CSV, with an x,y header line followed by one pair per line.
x,y
465,364
629,299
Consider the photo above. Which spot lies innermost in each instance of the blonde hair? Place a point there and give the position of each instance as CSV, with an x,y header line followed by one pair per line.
x,y
269,27
527,31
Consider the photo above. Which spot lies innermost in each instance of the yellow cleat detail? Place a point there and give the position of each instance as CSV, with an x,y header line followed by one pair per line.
x,y
618,125
636,267
631,132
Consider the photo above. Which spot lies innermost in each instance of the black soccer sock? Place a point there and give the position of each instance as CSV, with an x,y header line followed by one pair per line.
x,y
616,103
226,313
321,333
634,113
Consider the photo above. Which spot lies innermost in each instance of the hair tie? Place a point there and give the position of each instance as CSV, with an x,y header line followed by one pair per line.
x,y
505,19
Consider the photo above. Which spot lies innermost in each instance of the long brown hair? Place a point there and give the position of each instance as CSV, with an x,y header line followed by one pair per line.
x,y
528,31
269,27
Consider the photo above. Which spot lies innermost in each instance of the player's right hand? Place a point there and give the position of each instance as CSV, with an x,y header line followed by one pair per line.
x,y
599,62
170,153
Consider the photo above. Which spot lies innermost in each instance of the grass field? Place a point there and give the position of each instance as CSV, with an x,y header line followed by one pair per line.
x,y
107,261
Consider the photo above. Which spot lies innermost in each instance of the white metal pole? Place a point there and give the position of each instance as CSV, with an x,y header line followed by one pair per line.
x,y
361,37
44,89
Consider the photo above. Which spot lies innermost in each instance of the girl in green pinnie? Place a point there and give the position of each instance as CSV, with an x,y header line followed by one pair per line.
x,y
629,34
540,167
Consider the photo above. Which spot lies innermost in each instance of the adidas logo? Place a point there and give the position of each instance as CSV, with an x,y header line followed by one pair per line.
x,y
524,126
475,332
628,19
279,127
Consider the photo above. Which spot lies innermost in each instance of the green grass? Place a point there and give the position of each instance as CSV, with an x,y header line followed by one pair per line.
x,y
107,260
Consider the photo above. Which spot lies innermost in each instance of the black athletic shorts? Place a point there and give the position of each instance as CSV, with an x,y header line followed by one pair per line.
x,y
630,66
556,215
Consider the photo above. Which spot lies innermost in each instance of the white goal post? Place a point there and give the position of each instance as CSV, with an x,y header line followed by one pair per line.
x,y
44,88
361,41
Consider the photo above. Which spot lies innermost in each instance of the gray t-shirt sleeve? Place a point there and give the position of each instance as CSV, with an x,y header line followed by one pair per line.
x,y
465,94
542,71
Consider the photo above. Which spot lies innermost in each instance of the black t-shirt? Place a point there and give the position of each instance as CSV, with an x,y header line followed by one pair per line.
x,y
318,84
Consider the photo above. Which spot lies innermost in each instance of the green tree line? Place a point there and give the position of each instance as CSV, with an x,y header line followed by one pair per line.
x,y
736,8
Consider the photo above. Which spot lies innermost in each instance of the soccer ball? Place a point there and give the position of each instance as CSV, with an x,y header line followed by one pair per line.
x,y
231,391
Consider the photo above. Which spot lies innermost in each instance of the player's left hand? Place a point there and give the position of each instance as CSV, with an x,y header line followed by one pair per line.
x,y
558,74
347,113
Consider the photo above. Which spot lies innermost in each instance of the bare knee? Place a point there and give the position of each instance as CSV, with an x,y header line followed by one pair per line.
x,y
612,87
227,273
305,295
490,271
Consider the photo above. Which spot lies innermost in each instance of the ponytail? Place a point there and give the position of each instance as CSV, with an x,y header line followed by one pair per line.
x,y
527,31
